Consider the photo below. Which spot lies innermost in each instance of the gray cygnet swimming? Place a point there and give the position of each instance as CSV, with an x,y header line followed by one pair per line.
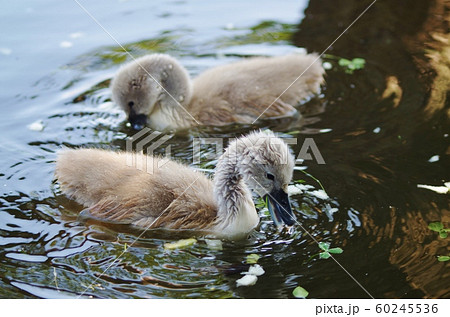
x,y
178,197
243,91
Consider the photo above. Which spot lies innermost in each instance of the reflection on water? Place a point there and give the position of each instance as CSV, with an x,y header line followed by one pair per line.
x,y
396,118
376,128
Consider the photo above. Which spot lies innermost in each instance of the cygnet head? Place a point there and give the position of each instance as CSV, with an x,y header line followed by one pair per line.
x,y
150,84
266,165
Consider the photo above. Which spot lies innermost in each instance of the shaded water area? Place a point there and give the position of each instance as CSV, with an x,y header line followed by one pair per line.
x,y
381,130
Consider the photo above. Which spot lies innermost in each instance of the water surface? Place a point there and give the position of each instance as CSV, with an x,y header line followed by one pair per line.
x,y
377,129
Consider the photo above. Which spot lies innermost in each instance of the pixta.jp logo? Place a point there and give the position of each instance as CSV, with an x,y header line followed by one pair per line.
x,y
204,150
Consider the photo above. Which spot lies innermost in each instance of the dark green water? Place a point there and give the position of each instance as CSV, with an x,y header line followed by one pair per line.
x,y
376,128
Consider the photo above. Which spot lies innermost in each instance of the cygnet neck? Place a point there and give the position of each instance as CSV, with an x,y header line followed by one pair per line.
x,y
236,211
171,116
171,110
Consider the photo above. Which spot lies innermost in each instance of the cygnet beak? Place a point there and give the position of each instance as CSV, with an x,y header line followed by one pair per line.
x,y
280,207
138,121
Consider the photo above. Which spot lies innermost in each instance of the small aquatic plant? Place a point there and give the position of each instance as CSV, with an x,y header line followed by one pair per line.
x,y
180,244
439,227
352,65
300,292
252,258
443,233
443,258
326,253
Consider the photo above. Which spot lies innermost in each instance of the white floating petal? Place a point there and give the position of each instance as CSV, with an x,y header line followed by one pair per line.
x,y
65,44
5,51
327,65
76,35
246,280
434,158
294,190
320,193
255,269
438,189
36,126
304,187
214,244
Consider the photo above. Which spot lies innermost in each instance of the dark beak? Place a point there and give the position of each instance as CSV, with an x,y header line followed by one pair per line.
x,y
280,207
138,121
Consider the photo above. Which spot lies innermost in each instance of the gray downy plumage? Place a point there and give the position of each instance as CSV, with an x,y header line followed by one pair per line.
x,y
156,90
174,196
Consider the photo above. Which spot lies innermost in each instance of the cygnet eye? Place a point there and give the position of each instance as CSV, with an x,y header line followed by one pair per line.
x,y
131,104
270,176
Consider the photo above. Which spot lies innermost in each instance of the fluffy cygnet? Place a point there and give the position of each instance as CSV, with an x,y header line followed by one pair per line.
x,y
156,90
174,196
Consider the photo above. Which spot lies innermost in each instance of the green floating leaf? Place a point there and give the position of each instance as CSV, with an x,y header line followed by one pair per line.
x,y
443,258
351,65
180,244
344,62
336,250
436,226
358,62
324,255
252,258
300,292
443,234
324,246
